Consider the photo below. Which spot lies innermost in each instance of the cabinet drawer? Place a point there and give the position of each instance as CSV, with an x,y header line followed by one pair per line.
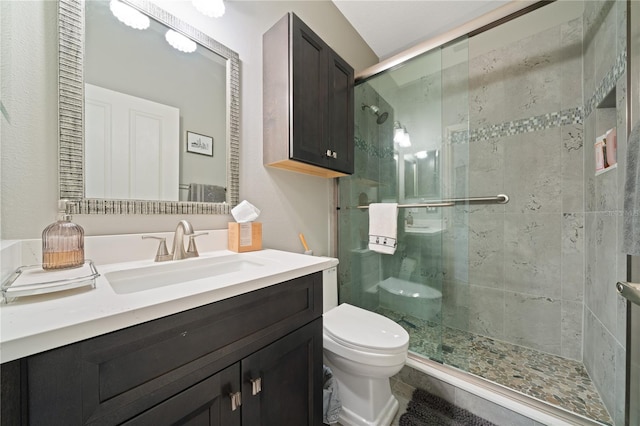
x,y
120,374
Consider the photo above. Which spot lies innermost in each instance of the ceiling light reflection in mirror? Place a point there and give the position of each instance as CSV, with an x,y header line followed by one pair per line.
x,y
180,42
128,15
138,21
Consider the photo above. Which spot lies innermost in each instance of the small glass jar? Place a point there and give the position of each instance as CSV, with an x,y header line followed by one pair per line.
x,y
62,242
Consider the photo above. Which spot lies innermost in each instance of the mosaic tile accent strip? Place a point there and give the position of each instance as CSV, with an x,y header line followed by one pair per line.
x,y
510,128
526,125
607,84
458,137
371,150
549,378
532,124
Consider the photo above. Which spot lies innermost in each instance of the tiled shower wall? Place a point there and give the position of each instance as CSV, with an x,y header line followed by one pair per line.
x,y
604,55
525,275
540,271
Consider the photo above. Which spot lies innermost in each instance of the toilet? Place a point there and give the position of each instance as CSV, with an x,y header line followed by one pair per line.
x,y
363,350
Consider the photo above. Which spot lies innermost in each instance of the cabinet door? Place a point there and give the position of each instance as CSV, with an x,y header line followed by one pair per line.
x,y
207,403
290,374
340,126
309,106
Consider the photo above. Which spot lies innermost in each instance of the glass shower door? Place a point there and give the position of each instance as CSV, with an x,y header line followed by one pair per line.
x,y
411,129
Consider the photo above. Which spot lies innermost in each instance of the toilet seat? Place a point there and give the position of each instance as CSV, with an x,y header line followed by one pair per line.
x,y
364,331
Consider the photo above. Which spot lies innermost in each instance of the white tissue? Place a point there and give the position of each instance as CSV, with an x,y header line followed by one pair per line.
x,y
245,212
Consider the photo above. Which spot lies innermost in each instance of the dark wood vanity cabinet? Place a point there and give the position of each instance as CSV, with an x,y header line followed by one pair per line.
x,y
254,359
201,404
307,102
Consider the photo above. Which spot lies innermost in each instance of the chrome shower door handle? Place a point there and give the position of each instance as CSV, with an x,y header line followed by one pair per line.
x,y
631,291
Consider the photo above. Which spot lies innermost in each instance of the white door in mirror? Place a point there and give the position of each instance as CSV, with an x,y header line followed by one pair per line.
x,y
130,146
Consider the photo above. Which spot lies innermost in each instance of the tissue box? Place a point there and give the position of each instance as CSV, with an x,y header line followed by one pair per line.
x,y
245,236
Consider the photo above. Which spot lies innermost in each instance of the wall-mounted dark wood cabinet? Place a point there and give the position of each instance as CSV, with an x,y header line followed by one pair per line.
x,y
308,92
254,359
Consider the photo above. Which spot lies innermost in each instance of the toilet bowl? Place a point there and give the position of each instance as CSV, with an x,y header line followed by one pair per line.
x,y
400,294
363,350
415,299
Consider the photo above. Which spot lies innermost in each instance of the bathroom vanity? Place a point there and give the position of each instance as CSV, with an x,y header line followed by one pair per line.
x,y
246,357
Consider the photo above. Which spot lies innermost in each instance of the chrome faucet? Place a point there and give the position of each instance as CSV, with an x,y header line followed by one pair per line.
x,y
178,252
183,228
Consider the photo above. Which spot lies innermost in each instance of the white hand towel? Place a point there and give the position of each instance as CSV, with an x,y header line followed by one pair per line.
x,y
383,227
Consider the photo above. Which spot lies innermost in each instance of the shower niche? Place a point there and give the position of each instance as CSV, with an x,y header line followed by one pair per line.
x,y
605,147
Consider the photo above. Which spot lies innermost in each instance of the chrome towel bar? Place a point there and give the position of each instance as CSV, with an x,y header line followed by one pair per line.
x,y
498,199
631,291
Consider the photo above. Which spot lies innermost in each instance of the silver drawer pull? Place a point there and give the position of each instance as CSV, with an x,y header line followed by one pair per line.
x,y
334,154
236,400
328,153
629,290
256,386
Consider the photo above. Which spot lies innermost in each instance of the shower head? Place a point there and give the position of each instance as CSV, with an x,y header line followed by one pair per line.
x,y
381,117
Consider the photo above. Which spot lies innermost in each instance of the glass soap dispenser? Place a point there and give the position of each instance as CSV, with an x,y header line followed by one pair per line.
x,y
62,242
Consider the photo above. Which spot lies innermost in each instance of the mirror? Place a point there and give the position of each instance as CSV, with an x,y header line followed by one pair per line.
x,y
422,174
190,124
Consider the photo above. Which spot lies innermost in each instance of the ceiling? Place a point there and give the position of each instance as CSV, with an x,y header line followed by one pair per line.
x,y
391,26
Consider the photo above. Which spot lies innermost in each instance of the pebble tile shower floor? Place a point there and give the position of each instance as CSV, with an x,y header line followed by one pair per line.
x,y
550,378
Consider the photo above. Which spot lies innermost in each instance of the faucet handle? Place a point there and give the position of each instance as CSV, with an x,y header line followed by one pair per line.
x,y
162,254
192,250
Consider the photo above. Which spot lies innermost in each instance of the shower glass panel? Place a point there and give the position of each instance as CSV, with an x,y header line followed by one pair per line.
x,y
519,294
411,157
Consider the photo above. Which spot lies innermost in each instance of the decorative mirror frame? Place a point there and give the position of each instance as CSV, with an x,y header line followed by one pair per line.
x,y
71,25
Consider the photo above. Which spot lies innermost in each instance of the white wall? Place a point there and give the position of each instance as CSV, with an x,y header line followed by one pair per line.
x,y
290,203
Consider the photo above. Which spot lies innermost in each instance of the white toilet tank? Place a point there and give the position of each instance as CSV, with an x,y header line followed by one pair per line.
x,y
329,289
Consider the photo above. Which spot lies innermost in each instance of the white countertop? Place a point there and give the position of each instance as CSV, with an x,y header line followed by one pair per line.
x,y
33,324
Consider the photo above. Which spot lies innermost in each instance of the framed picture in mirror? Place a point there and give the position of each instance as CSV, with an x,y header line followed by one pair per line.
x,y
199,144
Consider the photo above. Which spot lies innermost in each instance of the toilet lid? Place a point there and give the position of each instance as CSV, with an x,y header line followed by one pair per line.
x,y
356,327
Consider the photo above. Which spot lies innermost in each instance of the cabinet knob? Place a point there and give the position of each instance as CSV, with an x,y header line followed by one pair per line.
x,y
236,400
332,154
256,385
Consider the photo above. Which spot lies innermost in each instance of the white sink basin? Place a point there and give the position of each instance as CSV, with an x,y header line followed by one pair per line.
x,y
175,272
424,226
